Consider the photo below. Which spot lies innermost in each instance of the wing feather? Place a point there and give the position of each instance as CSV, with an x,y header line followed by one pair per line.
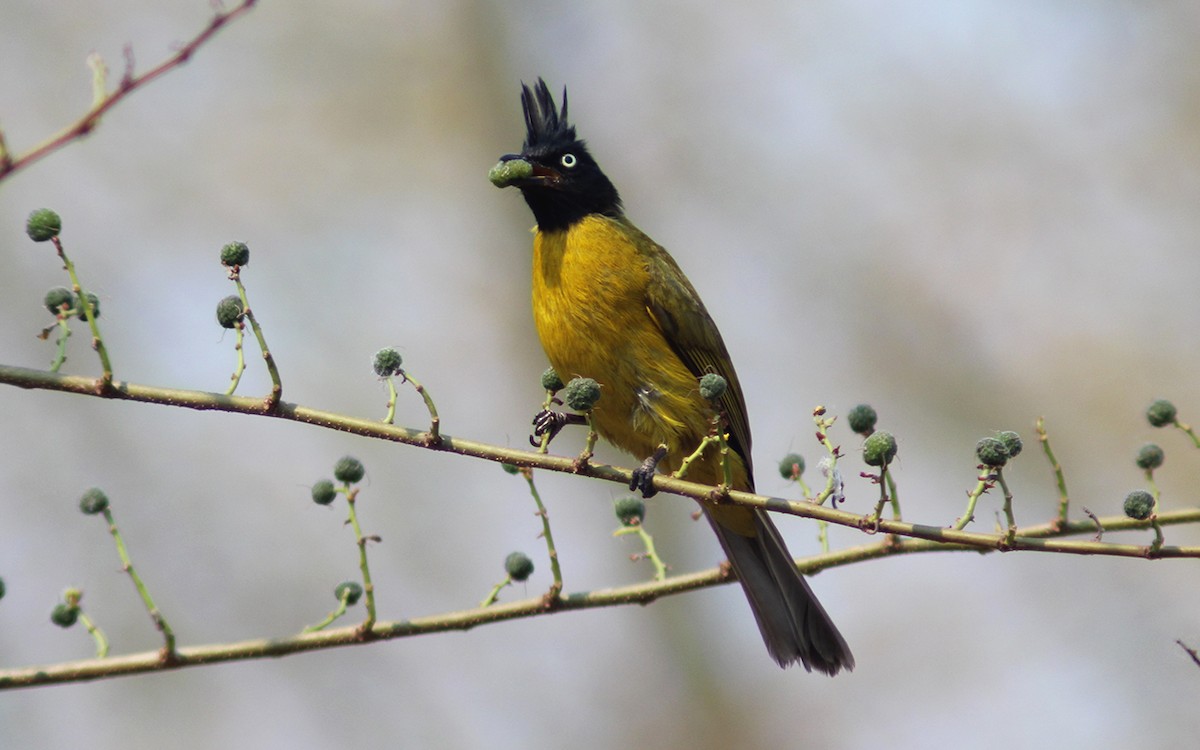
x,y
676,308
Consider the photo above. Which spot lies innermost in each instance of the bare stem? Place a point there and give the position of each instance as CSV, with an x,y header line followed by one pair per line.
x,y
102,101
551,550
156,616
1063,500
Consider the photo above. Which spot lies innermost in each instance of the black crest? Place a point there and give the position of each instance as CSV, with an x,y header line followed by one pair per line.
x,y
565,184
546,128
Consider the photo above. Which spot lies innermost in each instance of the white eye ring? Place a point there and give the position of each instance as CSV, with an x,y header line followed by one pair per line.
x,y
569,160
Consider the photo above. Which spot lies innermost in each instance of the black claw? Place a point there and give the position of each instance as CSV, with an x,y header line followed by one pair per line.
x,y
547,422
643,476
643,481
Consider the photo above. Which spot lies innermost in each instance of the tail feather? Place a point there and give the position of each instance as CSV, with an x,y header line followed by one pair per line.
x,y
793,623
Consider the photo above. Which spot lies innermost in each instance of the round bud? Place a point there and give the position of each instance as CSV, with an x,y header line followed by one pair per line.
x,y
1011,442
510,468
1150,456
991,452
229,311
93,301
581,394
879,449
862,419
43,225
387,362
57,297
323,492
93,501
1,588
1161,413
235,254
1139,504
518,566
349,470
508,171
551,381
713,386
630,510
351,590
64,615
792,466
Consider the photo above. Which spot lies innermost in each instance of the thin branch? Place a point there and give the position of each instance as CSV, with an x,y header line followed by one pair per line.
x,y
1034,542
1190,651
641,593
923,538
103,101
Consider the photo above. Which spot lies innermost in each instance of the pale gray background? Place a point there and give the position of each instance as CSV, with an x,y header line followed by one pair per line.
x,y
966,213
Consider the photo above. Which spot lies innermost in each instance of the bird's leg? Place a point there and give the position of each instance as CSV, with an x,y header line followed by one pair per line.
x,y
643,476
549,423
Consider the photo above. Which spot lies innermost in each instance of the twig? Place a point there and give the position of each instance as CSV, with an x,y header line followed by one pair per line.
x,y
104,101
547,535
1064,501
1190,651
156,616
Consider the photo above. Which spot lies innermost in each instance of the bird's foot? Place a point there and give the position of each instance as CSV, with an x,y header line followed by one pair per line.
x,y
643,476
549,423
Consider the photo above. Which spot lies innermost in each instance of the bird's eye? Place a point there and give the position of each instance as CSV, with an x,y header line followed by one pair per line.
x,y
569,160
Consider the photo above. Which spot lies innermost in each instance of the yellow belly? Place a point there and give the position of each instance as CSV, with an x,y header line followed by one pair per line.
x,y
589,305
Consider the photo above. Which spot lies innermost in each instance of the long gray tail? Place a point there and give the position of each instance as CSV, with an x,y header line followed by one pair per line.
x,y
793,623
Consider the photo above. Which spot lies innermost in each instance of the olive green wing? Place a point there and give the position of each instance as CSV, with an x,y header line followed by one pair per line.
x,y
689,329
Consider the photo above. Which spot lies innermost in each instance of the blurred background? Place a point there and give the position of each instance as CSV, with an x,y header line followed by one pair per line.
x,y
967,214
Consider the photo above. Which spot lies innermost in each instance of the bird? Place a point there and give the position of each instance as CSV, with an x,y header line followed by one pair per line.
x,y
612,305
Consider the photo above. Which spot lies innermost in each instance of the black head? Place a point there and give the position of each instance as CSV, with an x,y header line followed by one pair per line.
x,y
564,184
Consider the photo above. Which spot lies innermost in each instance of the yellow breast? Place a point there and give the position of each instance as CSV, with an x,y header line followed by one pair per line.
x,y
589,305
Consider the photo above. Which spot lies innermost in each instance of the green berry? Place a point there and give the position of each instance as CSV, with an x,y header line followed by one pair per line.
x,y
43,225
551,381
93,501
229,311
323,492
387,362
991,452
64,615
879,449
713,386
1,588
518,566
509,171
862,419
235,254
792,466
1139,504
57,297
630,510
93,301
351,590
1150,456
349,470
510,468
1161,413
582,394
1011,442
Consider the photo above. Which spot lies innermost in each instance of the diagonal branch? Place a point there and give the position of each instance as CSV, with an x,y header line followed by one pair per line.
x,y
105,101
1040,540
922,538
642,593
